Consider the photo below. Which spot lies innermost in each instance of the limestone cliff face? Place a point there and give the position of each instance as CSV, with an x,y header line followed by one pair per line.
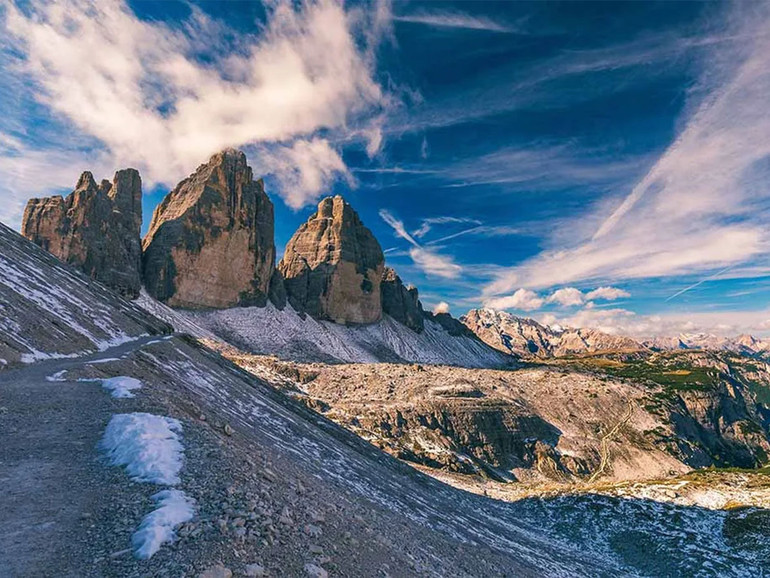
x,y
333,266
400,302
96,228
210,243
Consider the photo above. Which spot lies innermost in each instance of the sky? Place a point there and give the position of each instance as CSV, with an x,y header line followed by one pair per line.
x,y
589,164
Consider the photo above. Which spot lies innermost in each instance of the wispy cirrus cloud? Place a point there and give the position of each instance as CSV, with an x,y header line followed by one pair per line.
x,y
428,260
461,20
700,207
427,224
164,97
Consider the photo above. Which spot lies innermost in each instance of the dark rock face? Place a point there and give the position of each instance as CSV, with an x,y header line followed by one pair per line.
x,y
96,228
333,266
400,302
210,242
450,324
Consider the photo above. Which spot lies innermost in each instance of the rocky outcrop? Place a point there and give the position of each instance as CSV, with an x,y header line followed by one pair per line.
x,y
333,266
210,243
96,228
402,303
528,338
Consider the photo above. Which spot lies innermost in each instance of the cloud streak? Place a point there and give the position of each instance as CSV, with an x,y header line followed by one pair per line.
x,y
460,20
696,210
429,261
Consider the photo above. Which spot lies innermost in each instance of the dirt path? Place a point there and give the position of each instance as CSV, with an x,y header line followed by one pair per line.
x,y
607,438
52,482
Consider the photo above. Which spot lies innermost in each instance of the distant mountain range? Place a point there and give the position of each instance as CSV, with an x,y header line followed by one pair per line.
x,y
526,338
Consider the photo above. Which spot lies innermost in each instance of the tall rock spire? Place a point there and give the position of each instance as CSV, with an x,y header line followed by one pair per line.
x,y
210,242
333,266
96,228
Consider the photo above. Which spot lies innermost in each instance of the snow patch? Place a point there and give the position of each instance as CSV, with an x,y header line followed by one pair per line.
x,y
157,527
147,445
58,376
121,387
103,360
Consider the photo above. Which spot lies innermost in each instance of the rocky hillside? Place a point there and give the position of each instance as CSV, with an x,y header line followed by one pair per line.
x,y
257,484
528,338
292,336
594,420
96,228
49,310
210,241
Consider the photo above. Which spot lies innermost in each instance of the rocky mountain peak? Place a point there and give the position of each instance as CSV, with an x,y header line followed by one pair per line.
x,y
210,242
528,338
333,266
401,302
96,228
86,182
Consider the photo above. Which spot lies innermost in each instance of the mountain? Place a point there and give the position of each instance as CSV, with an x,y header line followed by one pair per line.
x,y
210,246
742,344
333,266
528,338
96,228
203,469
210,241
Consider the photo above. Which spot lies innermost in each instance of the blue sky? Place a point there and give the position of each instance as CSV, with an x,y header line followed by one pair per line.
x,y
595,164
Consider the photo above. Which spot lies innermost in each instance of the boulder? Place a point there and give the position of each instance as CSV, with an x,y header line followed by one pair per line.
x,y
332,268
400,302
95,228
210,243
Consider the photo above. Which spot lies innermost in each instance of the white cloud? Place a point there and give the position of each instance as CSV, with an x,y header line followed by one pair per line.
x,y
305,169
445,19
699,208
430,261
624,322
434,264
567,297
427,224
522,299
607,294
138,88
397,226
442,307
24,172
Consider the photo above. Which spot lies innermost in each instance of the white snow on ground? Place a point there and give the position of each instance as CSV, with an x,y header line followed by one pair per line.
x,y
121,386
147,445
73,315
103,360
270,331
157,527
58,376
